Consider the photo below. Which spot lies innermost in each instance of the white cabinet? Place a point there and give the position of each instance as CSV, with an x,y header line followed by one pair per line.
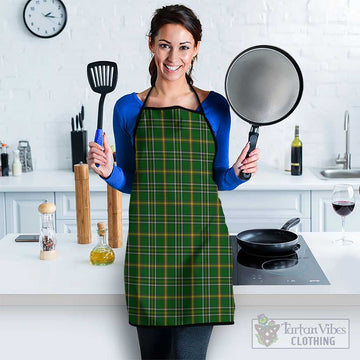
x,y
265,209
324,217
2,216
66,210
22,211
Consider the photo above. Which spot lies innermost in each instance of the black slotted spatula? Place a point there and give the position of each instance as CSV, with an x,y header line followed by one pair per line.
x,y
102,76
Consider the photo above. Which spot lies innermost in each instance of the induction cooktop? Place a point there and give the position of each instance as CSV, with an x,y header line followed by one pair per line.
x,y
297,268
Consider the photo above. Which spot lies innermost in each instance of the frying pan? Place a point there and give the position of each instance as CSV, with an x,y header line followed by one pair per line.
x,y
270,241
263,85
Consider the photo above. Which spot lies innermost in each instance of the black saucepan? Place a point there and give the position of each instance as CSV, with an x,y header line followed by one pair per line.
x,y
263,85
270,241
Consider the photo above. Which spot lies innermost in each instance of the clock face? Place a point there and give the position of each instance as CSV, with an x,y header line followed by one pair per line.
x,y
45,18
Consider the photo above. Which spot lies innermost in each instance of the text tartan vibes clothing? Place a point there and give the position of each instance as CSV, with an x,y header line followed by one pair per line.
x,y
178,266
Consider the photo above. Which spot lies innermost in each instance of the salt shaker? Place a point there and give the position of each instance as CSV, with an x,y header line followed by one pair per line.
x,y
47,233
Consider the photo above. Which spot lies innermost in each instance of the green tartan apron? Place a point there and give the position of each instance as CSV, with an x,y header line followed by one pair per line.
x,y
178,264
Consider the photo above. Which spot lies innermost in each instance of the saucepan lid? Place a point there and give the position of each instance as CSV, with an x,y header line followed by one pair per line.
x,y
263,85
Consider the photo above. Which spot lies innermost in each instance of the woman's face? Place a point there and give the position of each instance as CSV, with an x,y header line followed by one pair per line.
x,y
173,49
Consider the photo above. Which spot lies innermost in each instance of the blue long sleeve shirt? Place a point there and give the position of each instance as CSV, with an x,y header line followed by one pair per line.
x,y
126,112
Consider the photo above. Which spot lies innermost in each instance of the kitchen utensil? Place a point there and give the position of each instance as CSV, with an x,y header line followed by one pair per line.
x,y
25,155
102,76
82,199
343,203
270,241
81,122
72,124
263,85
82,112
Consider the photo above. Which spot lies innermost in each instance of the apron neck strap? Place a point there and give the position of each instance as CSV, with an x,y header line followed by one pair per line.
x,y
191,87
146,98
198,99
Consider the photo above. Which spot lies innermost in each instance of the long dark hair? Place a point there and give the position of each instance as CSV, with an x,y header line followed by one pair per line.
x,y
174,14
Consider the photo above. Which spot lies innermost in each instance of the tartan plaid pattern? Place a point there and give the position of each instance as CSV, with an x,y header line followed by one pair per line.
x,y
178,264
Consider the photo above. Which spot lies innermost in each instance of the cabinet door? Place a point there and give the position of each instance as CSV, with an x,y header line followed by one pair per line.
x,y
66,205
22,211
265,209
324,217
69,227
2,216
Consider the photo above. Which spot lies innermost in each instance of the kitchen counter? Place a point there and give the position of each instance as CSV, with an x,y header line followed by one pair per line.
x,y
48,180
72,280
265,179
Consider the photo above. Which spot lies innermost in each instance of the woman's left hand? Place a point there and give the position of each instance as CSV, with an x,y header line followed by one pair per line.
x,y
248,165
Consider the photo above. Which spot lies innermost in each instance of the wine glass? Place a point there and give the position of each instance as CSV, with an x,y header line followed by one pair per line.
x,y
343,203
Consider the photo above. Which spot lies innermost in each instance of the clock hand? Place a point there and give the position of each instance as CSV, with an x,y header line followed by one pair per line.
x,y
48,15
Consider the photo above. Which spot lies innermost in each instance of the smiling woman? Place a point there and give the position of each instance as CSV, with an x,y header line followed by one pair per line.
x,y
174,51
191,29
172,143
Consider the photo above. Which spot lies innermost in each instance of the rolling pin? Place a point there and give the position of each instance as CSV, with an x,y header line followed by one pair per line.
x,y
82,196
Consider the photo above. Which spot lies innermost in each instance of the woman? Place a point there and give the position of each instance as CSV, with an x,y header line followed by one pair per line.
x,y
172,156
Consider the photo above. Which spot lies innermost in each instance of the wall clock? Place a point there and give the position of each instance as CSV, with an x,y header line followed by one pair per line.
x,y
45,18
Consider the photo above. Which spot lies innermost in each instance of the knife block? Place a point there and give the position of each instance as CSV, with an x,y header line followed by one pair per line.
x,y
82,197
78,147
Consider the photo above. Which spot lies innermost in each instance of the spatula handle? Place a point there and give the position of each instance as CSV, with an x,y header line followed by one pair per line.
x,y
99,139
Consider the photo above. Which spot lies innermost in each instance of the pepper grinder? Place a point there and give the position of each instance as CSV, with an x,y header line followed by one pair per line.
x,y
114,210
82,197
47,233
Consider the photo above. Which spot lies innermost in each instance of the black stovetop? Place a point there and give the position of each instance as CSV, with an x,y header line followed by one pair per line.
x,y
298,268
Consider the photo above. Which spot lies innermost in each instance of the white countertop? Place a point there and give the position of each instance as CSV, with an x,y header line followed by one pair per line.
x,y
71,275
47,180
265,179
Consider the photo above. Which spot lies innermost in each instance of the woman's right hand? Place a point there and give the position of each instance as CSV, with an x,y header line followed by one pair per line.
x,y
102,156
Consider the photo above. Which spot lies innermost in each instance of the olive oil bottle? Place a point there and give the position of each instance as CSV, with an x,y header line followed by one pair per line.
x,y
102,253
296,154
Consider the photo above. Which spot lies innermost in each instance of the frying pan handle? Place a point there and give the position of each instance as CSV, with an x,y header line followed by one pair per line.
x,y
291,223
296,247
253,137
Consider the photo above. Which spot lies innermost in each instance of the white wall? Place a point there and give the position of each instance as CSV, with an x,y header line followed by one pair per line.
x,y
43,82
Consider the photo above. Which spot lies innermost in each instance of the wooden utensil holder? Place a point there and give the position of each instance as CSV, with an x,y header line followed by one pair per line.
x,y
82,196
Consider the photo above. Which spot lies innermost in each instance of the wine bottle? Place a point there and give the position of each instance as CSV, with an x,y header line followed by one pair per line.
x,y
296,154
